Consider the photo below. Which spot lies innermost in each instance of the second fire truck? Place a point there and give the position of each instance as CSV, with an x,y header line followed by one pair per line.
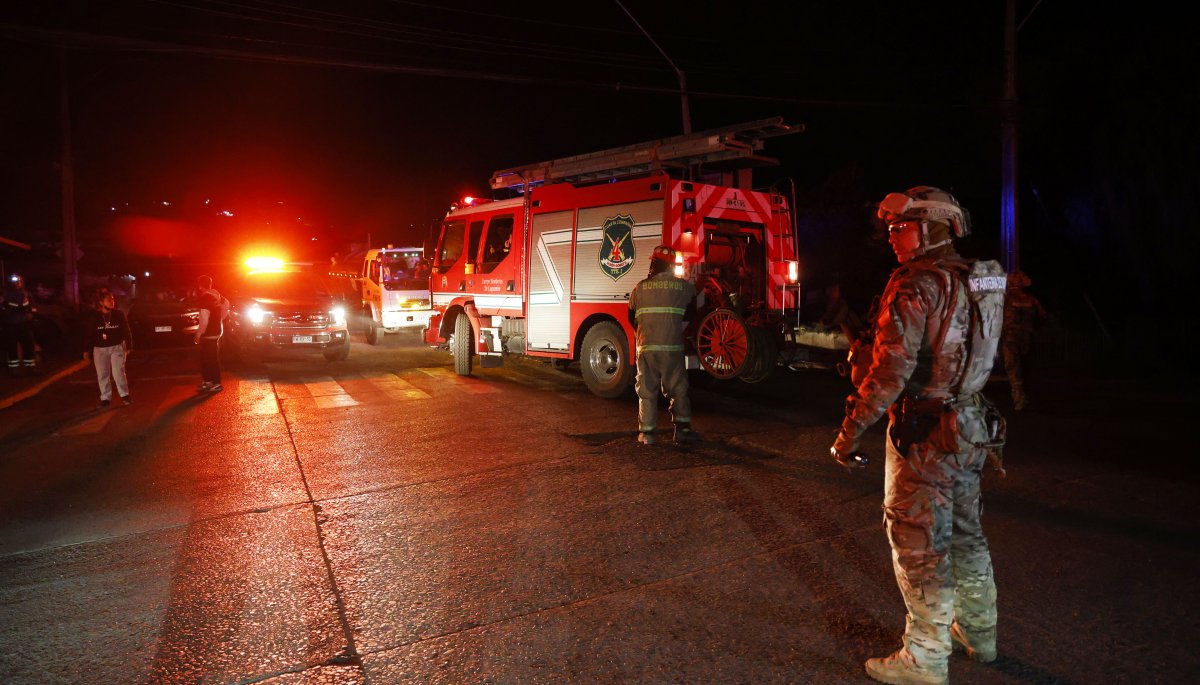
x,y
548,273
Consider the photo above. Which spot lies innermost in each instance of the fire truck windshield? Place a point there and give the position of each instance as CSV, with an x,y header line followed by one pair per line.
x,y
450,248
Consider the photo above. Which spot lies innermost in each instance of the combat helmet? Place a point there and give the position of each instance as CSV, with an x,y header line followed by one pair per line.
x,y
938,211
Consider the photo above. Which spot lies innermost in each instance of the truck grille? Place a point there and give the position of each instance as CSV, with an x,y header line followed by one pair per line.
x,y
301,319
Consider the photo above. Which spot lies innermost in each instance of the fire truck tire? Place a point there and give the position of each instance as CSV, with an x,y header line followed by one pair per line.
x,y
461,346
604,360
763,355
373,332
723,343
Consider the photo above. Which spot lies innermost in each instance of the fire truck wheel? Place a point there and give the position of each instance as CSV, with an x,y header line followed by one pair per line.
x,y
372,332
460,346
723,343
605,361
763,355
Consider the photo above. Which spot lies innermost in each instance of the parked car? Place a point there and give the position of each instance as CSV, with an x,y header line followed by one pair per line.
x,y
162,317
286,307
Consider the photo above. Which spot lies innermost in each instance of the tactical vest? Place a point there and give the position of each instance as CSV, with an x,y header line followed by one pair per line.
x,y
985,284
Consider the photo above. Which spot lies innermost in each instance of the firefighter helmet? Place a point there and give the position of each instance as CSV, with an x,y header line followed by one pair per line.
x,y
663,253
926,203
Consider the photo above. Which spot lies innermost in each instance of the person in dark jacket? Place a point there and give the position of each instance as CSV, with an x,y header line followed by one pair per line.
x,y
213,308
658,307
107,343
18,320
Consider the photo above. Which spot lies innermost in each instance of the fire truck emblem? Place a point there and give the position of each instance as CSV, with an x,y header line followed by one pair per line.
x,y
616,248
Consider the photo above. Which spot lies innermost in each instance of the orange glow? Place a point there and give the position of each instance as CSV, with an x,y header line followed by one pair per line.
x,y
468,201
262,263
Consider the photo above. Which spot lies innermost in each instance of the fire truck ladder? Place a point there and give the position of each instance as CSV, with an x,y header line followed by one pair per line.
x,y
730,147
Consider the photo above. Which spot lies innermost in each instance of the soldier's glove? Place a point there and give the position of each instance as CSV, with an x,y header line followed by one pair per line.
x,y
845,450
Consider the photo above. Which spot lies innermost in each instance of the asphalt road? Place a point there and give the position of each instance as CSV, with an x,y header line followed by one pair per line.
x,y
382,520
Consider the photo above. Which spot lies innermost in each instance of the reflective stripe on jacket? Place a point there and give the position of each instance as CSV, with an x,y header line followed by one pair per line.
x,y
659,305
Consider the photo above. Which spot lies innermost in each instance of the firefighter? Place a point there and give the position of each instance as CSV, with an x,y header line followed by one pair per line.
x,y
18,314
937,331
1021,312
658,307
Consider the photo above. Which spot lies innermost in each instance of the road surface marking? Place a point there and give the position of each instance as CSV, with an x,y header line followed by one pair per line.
x,y
258,396
464,383
397,388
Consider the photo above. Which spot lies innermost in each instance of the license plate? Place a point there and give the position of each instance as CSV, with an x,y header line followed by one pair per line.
x,y
162,329
301,338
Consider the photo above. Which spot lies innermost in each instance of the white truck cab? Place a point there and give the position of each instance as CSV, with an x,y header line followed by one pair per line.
x,y
395,291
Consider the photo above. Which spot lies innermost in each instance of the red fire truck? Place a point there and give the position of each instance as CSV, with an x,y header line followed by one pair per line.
x,y
548,273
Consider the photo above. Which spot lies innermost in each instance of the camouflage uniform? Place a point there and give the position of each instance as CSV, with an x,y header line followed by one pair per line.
x,y
1021,310
658,307
927,377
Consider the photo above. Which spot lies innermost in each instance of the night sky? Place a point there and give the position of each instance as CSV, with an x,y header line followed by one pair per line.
x,y
353,118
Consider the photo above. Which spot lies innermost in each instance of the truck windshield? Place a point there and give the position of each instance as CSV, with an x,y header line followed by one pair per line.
x,y
450,248
404,271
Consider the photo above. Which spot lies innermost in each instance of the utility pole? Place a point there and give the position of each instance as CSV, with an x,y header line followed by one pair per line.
x,y
683,96
1010,247
70,265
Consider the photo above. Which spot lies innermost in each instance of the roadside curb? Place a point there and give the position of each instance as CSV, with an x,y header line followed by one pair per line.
x,y
7,402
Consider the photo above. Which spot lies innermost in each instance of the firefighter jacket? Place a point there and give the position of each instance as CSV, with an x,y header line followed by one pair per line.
x,y
657,307
17,307
936,336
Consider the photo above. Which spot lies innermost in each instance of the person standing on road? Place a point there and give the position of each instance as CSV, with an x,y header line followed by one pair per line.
x,y
658,307
1022,311
213,309
937,333
18,315
107,343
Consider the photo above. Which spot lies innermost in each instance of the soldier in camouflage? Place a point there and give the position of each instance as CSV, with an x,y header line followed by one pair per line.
x,y
936,335
1021,312
658,307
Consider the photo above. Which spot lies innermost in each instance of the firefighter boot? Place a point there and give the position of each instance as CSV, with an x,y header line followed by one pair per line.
x,y
902,669
646,438
684,433
980,645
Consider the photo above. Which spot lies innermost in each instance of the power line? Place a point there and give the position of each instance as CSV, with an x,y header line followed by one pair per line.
x,y
80,40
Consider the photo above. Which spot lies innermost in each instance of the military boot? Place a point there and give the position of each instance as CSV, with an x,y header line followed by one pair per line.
x,y
980,645
684,433
902,669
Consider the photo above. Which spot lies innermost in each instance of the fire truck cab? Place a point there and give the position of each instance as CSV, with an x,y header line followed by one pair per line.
x,y
549,273
395,291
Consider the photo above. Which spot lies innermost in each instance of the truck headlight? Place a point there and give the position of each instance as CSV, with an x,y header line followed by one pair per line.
x,y
338,314
255,314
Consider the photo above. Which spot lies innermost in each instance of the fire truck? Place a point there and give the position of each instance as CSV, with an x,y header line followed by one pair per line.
x,y
394,290
548,273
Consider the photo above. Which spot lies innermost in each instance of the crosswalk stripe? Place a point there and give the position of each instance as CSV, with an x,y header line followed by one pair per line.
x,y
464,383
257,396
324,386
330,401
397,388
